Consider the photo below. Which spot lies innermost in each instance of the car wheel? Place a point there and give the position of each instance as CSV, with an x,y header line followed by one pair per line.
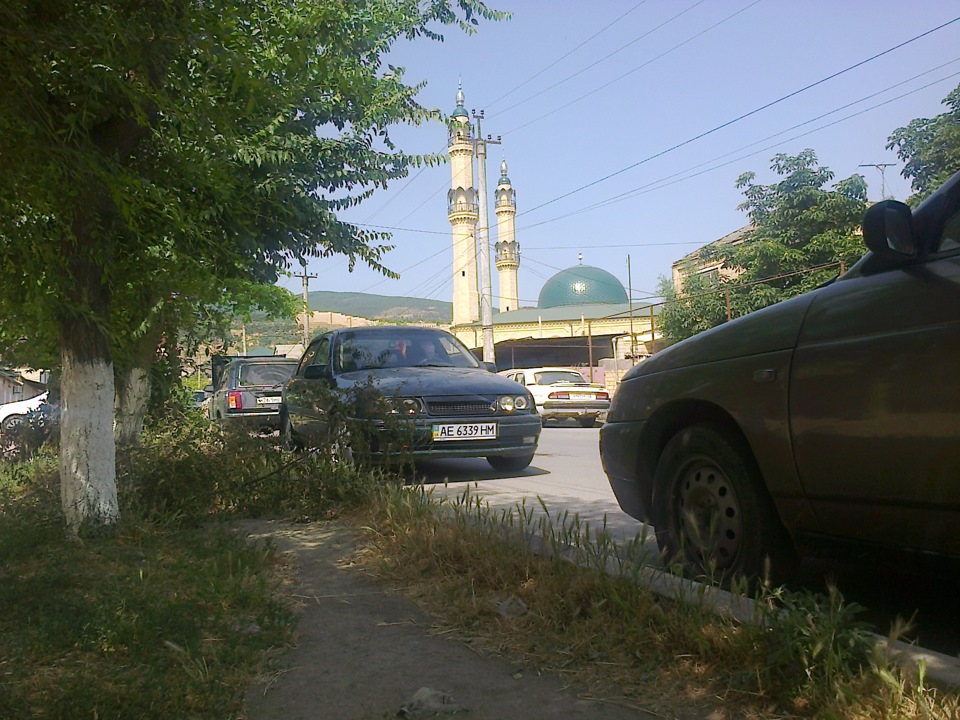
x,y
712,513
500,462
288,439
587,422
12,422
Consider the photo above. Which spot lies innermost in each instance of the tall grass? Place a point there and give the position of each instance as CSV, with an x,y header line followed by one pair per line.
x,y
582,606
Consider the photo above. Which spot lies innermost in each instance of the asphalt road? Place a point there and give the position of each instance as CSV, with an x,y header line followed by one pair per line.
x,y
567,477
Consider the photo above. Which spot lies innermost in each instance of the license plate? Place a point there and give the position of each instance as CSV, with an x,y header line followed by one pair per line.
x,y
465,431
268,399
581,396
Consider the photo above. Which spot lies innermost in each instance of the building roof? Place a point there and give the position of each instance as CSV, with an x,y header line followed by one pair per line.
x,y
581,285
571,313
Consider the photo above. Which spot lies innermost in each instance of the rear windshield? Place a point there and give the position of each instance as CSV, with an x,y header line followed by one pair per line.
x,y
264,374
551,377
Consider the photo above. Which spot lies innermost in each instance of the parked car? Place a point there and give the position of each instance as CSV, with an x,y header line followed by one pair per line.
x,y
832,417
441,400
562,393
248,390
15,413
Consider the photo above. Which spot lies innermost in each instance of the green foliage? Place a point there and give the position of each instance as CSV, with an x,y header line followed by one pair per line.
x,y
930,148
801,234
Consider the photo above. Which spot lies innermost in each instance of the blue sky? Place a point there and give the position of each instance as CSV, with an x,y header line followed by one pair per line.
x,y
601,103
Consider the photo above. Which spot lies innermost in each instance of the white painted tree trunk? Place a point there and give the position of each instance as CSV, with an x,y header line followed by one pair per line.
x,y
133,396
88,473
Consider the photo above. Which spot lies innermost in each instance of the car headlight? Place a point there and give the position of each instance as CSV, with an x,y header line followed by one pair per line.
x,y
403,406
509,403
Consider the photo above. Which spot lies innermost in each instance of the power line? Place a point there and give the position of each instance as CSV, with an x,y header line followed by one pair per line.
x,y
540,117
740,117
565,55
605,57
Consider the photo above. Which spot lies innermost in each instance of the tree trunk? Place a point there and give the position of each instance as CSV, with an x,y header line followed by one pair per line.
x,y
133,397
88,476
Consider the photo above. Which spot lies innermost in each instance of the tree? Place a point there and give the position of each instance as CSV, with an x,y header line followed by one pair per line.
x,y
801,234
149,144
930,148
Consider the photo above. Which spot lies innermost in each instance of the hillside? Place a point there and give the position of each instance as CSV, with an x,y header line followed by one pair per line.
x,y
382,307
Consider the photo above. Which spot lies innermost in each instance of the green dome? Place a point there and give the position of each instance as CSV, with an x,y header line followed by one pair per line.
x,y
581,285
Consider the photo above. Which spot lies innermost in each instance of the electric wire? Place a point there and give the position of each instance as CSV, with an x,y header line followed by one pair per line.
x,y
565,55
652,60
739,118
604,58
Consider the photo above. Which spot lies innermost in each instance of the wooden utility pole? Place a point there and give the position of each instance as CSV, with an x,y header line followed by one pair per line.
x,y
306,306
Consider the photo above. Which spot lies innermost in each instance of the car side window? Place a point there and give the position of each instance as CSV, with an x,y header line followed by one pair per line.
x,y
950,237
315,355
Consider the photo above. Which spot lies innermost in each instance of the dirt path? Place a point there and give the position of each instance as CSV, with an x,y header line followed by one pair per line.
x,y
363,651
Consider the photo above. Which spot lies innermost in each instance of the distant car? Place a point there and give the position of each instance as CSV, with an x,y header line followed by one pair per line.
x,y
830,418
448,403
16,413
248,390
562,393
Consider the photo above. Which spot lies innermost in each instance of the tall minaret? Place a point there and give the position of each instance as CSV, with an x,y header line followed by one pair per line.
x,y
508,249
463,212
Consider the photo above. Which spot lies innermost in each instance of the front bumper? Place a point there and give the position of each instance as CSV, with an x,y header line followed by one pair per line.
x,y
620,457
516,436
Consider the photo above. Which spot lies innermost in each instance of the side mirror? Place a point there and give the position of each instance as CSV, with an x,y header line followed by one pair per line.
x,y
491,366
317,372
888,230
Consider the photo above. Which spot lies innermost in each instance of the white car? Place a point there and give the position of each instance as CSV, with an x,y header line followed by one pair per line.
x,y
16,412
562,393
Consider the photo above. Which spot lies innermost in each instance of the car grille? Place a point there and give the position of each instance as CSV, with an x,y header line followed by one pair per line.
x,y
461,407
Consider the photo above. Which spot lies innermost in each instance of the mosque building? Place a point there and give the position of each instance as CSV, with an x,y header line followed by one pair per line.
x,y
583,315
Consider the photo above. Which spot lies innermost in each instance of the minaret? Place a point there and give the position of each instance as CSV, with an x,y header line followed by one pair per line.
x,y
463,212
508,249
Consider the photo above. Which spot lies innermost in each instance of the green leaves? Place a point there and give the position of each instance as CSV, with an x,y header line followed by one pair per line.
x,y
801,235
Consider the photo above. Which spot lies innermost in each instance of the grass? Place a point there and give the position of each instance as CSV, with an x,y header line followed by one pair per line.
x,y
171,615
562,610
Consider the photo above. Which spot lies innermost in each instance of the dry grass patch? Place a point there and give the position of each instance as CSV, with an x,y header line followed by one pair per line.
x,y
472,568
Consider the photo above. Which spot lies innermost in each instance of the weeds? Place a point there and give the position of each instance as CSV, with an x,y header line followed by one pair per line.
x,y
171,616
586,611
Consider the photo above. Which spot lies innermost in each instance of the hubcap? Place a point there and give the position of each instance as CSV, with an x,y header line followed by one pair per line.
x,y
709,515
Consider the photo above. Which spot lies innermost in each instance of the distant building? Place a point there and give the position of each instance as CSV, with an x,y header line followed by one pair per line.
x,y
694,263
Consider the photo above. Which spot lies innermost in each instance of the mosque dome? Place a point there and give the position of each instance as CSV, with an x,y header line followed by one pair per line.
x,y
581,285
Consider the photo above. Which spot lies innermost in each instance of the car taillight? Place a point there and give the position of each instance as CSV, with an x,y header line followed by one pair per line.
x,y
559,395
603,396
235,400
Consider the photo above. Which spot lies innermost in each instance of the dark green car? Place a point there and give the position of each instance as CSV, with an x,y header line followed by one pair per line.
x,y
828,419
412,392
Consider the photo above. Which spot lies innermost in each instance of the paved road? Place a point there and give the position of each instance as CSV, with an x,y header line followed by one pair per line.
x,y
565,475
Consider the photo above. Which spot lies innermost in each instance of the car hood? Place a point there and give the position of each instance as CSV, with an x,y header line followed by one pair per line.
x,y
22,407
431,381
773,328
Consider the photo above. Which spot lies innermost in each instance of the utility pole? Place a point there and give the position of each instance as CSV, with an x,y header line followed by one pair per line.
x,y
483,240
883,182
306,305
633,344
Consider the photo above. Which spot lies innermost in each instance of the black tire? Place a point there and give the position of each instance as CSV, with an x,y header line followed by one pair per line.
x,y
12,423
712,513
288,439
511,464
587,422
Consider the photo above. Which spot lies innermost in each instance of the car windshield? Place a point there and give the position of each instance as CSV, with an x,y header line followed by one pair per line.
x,y
401,348
271,374
552,377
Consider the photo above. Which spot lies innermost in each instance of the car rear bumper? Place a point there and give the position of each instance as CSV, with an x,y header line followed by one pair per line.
x,y
620,457
575,409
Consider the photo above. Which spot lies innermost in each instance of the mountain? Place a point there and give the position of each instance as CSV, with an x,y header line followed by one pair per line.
x,y
382,307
